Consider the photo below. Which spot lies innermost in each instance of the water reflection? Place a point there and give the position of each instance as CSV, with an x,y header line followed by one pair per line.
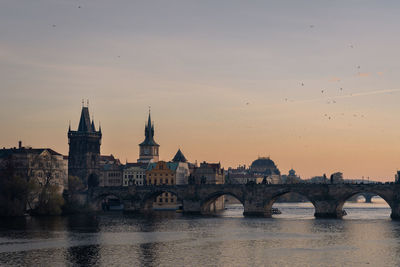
x,y
229,239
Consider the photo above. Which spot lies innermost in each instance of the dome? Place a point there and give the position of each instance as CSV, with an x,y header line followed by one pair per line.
x,y
264,166
263,162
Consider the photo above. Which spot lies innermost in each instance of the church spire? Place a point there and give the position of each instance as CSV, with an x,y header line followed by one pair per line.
x,y
84,123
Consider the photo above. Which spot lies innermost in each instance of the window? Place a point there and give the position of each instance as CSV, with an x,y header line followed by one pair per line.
x,y
172,181
161,180
160,200
166,200
172,200
166,181
166,194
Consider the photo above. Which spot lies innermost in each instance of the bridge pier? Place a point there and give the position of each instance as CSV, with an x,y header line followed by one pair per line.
x,y
191,206
395,215
327,209
256,209
368,198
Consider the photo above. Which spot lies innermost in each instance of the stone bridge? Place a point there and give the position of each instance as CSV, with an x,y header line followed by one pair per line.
x,y
257,199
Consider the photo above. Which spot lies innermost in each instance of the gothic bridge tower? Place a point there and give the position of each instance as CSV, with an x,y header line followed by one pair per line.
x,y
148,148
84,150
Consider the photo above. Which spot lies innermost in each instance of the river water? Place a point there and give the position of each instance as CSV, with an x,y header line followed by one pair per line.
x,y
365,237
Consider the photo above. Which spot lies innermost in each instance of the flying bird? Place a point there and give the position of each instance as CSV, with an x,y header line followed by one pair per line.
x,y
322,91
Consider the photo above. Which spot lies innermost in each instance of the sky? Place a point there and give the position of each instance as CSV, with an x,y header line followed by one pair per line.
x,y
314,85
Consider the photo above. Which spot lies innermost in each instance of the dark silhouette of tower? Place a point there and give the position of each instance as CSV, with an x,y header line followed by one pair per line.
x,y
84,150
149,147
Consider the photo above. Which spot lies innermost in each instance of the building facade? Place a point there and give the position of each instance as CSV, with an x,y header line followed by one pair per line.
x,y
209,173
166,173
44,165
148,149
111,171
84,151
134,174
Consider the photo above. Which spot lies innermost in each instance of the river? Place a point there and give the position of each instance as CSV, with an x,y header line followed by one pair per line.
x,y
365,237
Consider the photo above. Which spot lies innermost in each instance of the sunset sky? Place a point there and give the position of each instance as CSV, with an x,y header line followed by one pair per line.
x,y
226,81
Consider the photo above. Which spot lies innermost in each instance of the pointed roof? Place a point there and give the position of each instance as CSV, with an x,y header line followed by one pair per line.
x,y
179,157
84,123
93,127
149,133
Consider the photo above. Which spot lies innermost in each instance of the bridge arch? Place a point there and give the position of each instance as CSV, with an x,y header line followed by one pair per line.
x,y
169,199
269,202
207,207
101,202
342,201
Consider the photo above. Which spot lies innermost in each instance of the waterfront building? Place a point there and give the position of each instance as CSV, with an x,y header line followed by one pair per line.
x,y
148,149
41,164
209,173
242,175
167,173
111,171
84,150
134,174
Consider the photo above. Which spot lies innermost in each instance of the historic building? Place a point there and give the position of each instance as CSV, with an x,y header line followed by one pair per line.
x,y
209,173
134,174
41,164
111,171
148,149
168,173
84,151
264,166
262,169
